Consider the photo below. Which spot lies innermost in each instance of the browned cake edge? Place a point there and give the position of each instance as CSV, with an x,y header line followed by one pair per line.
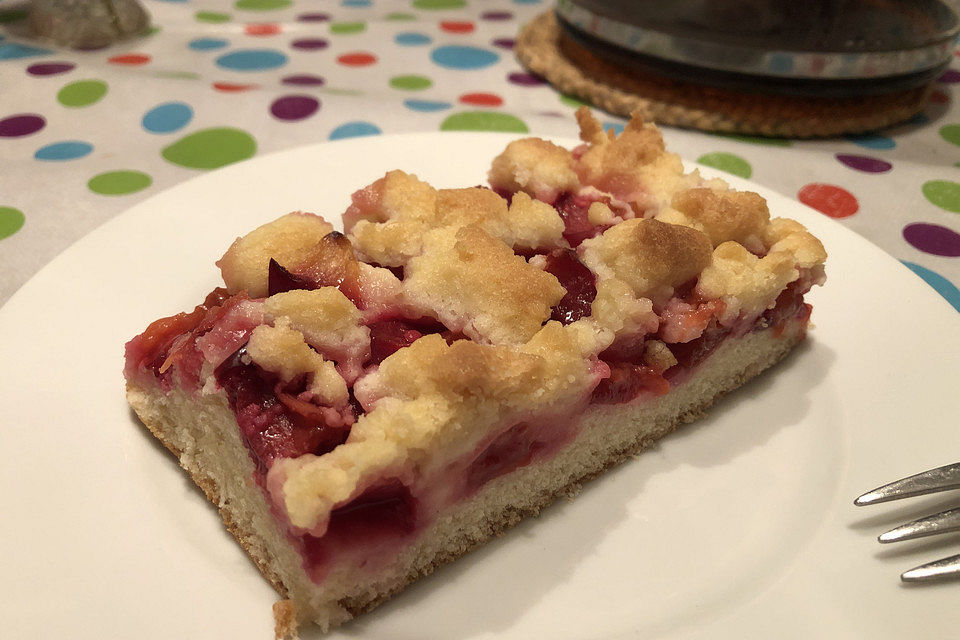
x,y
204,436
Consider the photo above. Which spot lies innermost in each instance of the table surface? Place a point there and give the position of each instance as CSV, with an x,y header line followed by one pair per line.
x,y
85,135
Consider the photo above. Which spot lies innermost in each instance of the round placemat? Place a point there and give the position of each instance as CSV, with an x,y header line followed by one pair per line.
x,y
543,48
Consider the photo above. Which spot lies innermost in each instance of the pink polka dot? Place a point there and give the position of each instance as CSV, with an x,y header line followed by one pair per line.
x,y
481,99
829,199
233,87
262,29
131,59
451,26
357,59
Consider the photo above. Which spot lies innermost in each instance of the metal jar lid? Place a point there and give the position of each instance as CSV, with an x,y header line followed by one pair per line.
x,y
820,40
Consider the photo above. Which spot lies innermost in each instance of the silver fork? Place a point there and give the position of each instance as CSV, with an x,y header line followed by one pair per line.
x,y
939,479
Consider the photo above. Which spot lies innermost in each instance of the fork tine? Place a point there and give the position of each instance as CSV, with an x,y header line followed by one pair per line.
x,y
943,522
937,570
939,479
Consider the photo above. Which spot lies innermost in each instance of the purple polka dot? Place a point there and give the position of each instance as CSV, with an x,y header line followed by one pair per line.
x,y
933,238
552,114
49,68
304,80
504,43
864,163
313,17
496,15
294,107
22,124
309,44
525,79
950,76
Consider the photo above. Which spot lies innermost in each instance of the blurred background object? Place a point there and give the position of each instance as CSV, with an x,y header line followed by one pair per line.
x,y
87,24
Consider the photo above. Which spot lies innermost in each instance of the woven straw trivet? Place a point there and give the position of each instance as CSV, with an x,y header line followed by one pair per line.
x,y
543,49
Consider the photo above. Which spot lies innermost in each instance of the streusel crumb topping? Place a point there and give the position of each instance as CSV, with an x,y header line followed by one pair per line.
x,y
612,240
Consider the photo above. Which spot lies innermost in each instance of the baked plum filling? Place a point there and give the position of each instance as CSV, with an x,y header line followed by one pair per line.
x,y
275,422
579,282
380,518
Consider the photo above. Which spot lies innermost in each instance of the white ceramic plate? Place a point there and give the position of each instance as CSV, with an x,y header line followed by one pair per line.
x,y
741,525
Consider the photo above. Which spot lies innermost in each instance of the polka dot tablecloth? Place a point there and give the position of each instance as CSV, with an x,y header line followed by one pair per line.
x,y
84,135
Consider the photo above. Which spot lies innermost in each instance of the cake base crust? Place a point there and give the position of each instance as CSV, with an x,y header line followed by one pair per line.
x,y
203,434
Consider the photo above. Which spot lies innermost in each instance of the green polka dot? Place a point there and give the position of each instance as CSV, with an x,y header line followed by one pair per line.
x,y
178,75
951,133
943,193
118,183
769,142
82,93
262,5
211,148
152,30
411,83
727,162
343,92
346,28
211,17
10,221
570,101
439,4
484,121
400,17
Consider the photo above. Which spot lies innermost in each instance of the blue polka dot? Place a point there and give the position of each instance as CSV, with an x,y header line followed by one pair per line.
x,y
616,126
942,286
411,39
456,57
872,141
781,63
526,1
920,118
426,106
207,44
69,150
14,51
252,60
354,130
167,117
356,3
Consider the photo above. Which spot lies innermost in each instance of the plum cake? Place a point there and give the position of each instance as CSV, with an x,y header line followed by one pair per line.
x,y
364,406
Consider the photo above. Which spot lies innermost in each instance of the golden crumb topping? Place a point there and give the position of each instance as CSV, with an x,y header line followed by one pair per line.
x,y
282,350
434,403
245,264
328,321
748,285
650,256
740,216
474,283
784,234
537,167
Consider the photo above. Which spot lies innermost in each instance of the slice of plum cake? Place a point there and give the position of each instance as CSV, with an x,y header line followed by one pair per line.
x,y
366,406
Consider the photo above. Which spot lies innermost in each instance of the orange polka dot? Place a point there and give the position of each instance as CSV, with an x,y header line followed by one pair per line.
x,y
262,29
456,26
481,99
829,199
357,59
130,58
232,87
